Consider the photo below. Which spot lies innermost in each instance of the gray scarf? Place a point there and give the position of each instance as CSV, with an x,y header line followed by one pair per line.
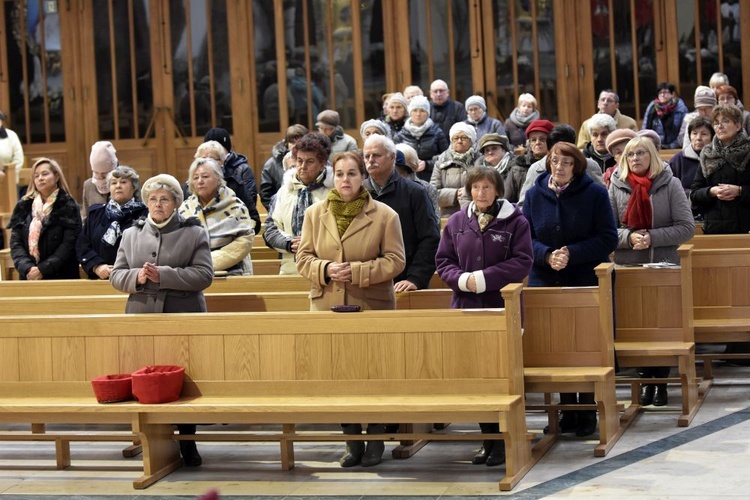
x,y
418,130
523,121
716,155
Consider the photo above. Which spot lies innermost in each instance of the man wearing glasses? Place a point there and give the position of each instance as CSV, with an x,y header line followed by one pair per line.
x,y
445,111
609,103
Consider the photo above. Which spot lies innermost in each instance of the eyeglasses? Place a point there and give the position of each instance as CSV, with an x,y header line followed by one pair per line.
x,y
460,138
724,122
160,201
565,162
665,92
636,154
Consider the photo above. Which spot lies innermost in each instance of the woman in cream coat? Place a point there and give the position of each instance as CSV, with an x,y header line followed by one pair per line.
x,y
355,266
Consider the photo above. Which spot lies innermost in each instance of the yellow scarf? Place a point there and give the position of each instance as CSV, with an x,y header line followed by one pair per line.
x,y
346,212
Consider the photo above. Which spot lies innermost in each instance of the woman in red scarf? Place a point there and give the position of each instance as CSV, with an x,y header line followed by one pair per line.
x,y
664,115
653,218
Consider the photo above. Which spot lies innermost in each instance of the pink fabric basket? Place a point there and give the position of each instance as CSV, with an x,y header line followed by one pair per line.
x,y
158,384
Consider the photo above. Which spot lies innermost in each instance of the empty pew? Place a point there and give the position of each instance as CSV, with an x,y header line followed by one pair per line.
x,y
275,368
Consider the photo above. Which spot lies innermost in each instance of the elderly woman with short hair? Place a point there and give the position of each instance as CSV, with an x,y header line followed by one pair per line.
x,y
164,263
424,135
599,127
452,167
225,217
484,247
370,127
721,188
100,238
726,95
520,118
395,113
653,219
686,163
476,116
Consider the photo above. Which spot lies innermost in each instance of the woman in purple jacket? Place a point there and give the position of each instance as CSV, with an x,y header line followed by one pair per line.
x,y
484,247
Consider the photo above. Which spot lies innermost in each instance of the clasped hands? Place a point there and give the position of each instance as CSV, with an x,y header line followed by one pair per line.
x,y
340,272
558,259
149,271
640,240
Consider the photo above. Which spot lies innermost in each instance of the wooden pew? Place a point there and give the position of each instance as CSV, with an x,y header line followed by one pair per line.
x,y
721,300
319,367
232,284
216,302
568,346
655,328
703,241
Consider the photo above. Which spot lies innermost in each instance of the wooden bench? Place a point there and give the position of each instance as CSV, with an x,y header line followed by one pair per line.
x,y
654,310
216,302
702,241
568,346
275,368
232,284
721,300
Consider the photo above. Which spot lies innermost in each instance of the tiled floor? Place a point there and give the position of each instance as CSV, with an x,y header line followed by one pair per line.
x,y
654,459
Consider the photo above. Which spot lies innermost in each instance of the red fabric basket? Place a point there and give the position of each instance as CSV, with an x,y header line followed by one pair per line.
x,y
112,388
158,384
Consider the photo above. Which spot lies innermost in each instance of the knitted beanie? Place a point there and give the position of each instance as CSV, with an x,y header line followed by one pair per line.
x,y
468,130
419,102
103,158
477,100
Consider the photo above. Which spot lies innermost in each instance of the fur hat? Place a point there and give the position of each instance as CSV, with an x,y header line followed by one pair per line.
x,y
476,100
167,180
103,158
328,118
384,129
419,102
619,136
219,135
494,140
468,130
704,96
651,135
399,98
544,126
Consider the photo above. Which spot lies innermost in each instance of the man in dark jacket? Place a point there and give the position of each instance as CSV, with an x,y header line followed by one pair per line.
x,y
237,173
444,110
419,224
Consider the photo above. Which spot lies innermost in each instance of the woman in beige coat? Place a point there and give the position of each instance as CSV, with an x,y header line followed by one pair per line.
x,y
351,247
351,250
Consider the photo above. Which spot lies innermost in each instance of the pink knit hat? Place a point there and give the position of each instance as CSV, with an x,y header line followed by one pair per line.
x,y
103,158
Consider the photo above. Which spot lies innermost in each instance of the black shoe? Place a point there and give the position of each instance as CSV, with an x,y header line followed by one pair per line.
x,y
190,455
497,455
568,423
586,424
484,452
647,394
660,396
354,452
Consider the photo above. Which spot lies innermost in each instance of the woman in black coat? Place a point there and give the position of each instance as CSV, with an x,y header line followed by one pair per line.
x,y
97,244
44,226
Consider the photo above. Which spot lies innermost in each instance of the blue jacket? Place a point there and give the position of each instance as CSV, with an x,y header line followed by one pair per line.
x,y
668,129
487,125
581,219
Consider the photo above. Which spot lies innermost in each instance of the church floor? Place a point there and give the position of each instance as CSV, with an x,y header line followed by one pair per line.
x,y
653,459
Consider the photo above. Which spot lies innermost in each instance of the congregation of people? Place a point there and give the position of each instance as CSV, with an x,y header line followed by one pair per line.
x,y
523,198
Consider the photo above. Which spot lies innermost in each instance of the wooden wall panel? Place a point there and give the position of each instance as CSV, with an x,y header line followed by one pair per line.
x,y
628,305
562,329
586,323
349,356
135,353
242,357
313,357
35,359
668,307
102,357
172,350
387,358
425,357
68,358
9,360
460,354
206,361
277,357
710,286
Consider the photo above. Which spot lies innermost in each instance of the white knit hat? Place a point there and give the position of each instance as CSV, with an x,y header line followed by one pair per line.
x,y
468,130
103,158
384,129
163,180
419,102
477,100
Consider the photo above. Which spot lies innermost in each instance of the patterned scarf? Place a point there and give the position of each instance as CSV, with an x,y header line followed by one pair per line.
x,y
304,200
639,212
225,217
523,121
556,188
736,155
40,210
667,109
418,130
345,212
488,215
463,158
120,215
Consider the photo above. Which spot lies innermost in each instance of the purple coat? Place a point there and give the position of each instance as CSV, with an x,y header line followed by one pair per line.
x,y
500,255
